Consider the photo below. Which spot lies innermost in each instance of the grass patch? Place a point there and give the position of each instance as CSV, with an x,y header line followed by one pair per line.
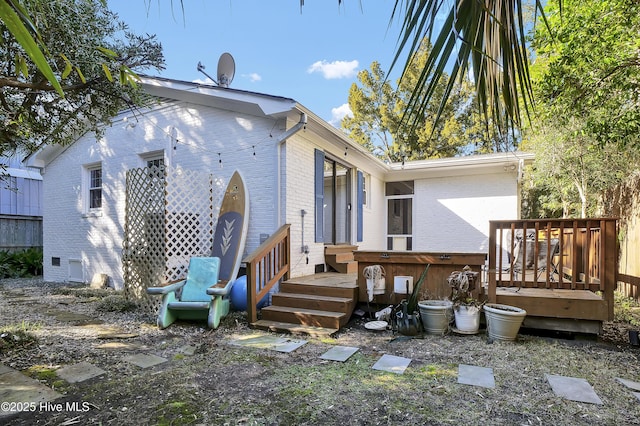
x,y
42,373
177,412
16,336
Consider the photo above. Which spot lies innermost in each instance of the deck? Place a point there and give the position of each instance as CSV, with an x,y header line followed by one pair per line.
x,y
563,272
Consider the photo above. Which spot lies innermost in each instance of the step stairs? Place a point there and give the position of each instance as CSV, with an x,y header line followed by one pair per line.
x,y
340,258
316,305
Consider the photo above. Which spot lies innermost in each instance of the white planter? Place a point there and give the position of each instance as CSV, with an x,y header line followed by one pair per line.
x,y
467,319
435,315
503,321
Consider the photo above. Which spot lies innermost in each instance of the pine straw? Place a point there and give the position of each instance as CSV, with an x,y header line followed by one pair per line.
x,y
223,384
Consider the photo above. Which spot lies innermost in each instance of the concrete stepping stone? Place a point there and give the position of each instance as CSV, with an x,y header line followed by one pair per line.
x,y
145,360
392,364
476,376
121,346
79,372
279,344
72,317
573,389
339,353
18,388
629,383
188,350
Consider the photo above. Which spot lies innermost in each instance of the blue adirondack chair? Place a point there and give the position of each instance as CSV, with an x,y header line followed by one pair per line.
x,y
198,297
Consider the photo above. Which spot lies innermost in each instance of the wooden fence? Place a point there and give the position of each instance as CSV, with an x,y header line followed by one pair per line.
x,y
20,232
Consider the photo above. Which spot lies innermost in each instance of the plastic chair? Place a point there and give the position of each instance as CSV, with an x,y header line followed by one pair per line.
x,y
200,296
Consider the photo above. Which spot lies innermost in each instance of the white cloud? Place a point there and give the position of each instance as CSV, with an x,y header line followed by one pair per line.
x,y
335,69
338,113
253,77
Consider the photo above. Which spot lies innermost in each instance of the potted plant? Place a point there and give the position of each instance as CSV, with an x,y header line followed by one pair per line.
x,y
405,315
466,308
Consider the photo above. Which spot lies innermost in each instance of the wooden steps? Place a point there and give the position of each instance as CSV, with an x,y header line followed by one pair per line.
x,y
317,305
340,258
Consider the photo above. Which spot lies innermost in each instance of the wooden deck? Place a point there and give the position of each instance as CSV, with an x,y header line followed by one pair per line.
x,y
561,271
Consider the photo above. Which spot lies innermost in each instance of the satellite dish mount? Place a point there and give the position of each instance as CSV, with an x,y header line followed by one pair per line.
x,y
226,70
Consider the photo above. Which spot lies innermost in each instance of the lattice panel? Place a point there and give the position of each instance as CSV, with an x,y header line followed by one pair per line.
x,y
190,219
170,215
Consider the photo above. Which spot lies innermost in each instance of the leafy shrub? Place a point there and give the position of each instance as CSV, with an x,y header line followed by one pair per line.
x,y
18,264
115,303
626,309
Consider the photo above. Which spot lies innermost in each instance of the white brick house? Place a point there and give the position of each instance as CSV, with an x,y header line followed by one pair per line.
x,y
299,169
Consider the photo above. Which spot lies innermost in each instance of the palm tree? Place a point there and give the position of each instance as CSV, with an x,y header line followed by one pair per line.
x,y
488,34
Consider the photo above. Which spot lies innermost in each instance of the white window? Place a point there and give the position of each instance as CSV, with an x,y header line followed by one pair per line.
x,y
95,187
399,197
154,161
366,182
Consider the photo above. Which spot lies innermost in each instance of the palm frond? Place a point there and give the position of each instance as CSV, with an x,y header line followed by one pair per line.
x,y
488,35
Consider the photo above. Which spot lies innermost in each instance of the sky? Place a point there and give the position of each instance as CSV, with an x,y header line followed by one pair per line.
x,y
311,55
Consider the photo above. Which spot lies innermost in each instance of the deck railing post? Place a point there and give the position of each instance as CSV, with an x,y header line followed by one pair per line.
x,y
264,269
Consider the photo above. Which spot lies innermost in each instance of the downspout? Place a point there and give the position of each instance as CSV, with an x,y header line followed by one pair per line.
x,y
302,124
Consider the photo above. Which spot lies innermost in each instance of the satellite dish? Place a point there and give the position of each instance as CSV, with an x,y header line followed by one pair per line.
x,y
226,70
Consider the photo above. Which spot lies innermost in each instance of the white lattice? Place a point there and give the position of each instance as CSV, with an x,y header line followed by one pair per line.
x,y
170,216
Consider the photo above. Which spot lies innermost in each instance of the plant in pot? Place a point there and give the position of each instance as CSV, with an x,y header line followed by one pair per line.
x,y
466,308
405,315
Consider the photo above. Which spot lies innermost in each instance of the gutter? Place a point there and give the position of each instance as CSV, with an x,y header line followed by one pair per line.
x,y
300,125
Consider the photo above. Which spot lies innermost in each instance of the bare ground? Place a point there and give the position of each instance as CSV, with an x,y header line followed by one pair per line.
x,y
222,384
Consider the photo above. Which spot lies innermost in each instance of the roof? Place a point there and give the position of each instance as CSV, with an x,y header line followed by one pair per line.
x,y
278,107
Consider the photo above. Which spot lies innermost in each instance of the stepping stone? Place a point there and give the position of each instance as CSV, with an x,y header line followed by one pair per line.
x,y
629,383
392,364
121,346
476,376
188,350
145,360
573,389
16,387
339,353
279,344
79,372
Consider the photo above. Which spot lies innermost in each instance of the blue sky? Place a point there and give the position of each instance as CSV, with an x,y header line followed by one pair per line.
x,y
311,56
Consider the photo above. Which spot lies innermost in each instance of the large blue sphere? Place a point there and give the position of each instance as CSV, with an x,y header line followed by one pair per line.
x,y
238,295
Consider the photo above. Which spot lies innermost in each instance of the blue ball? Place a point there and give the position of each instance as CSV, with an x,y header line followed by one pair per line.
x,y
238,295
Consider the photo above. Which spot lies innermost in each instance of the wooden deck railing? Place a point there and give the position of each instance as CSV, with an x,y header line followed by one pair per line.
x,y
629,286
267,265
575,254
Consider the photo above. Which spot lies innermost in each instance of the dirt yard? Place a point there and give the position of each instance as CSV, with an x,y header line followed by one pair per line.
x,y
207,381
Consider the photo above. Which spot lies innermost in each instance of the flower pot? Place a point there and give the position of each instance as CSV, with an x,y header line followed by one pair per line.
x,y
503,321
467,319
435,315
407,324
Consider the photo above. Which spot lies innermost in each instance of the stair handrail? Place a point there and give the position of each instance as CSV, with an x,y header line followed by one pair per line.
x,y
266,266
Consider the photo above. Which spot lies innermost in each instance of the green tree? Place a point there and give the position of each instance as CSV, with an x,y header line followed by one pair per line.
x,y
87,46
378,109
587,79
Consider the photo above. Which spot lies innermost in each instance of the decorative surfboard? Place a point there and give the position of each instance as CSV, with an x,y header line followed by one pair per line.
x,y
229,240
